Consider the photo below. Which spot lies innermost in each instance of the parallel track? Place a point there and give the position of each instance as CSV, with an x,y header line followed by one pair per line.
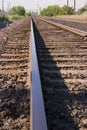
x,y
71,23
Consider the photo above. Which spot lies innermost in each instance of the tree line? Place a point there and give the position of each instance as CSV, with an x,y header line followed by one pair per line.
x,y
17,12
55,10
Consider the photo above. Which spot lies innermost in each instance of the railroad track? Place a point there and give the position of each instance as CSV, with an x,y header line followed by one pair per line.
x,y
63,68
61,56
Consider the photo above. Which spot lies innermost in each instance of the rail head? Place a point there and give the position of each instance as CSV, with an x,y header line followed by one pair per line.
x,y
73,30
38,118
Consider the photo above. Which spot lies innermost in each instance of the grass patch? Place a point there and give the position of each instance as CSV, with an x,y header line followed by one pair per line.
x,y
82,17
15,17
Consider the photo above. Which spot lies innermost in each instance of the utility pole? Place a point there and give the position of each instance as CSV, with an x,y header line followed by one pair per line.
x,y
74,6
2,5
8,7
67,5
38,9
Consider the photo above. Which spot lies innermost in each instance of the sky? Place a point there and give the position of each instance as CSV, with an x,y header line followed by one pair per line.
x,y
32,5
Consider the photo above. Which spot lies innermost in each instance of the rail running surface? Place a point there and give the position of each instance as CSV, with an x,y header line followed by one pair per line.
x,y
38,120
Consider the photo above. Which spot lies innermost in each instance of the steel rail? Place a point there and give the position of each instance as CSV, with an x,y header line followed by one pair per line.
x,y
38,118
73,30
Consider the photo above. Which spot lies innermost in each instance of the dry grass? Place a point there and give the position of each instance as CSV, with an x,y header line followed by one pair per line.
x,y
74,17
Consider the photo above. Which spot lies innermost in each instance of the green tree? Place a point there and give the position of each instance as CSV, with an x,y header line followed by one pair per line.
x,y
80,11
83,9
56,10
64,10
50,11
70,10
18,10
85,6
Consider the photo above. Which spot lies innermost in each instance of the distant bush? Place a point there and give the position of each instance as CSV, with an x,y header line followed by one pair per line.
x,y
28,14
4,18
83,9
